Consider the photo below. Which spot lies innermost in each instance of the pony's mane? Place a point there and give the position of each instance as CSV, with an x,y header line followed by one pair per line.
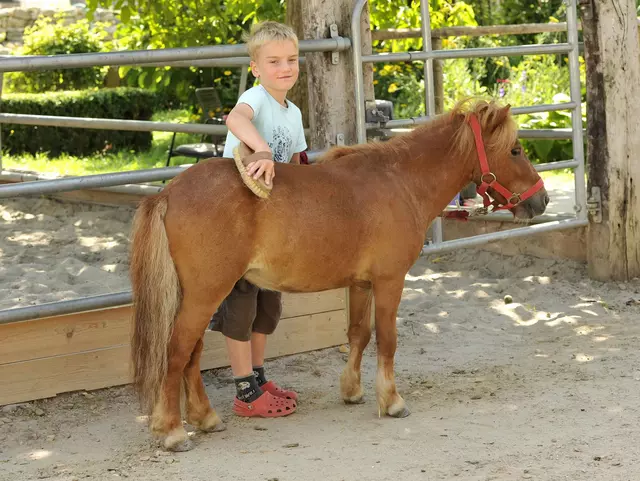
x,y
499,129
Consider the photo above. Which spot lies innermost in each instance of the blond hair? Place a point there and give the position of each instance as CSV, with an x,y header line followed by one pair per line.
x,y
264,32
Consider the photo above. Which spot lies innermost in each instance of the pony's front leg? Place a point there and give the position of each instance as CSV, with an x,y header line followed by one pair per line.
x,y
387,298
359,335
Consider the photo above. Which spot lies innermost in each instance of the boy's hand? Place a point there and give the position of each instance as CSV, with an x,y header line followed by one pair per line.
x,y
262,166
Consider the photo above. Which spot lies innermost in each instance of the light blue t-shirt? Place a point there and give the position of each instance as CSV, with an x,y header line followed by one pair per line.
x,y
281,127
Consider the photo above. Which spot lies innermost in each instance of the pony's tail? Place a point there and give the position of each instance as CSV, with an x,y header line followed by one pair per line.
x,y
156,299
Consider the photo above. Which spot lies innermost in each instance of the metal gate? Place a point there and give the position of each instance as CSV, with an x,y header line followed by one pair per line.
x,y
428,55
235,55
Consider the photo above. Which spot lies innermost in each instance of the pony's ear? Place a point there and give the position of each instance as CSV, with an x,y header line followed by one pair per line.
x,y
500,116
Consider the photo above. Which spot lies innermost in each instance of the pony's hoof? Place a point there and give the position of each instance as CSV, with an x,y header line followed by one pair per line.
x,y
211,424
359,399
399,412
181,447
178,441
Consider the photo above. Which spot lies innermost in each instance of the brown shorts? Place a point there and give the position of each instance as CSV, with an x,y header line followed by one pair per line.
x,y
247,309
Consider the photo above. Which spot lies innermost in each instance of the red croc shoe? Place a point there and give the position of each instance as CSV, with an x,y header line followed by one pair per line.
x,y
277,391
266,406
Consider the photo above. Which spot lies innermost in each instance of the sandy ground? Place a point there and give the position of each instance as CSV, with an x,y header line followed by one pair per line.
x,y
542,388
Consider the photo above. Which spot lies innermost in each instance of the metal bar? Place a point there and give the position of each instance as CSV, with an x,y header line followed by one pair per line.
x,y
89,181
464,31
161,56
429,91
213,62
18,314
576,113
515,111
1,82
481,239
534,109
244,74
561,164
560,134
536,49
114,124
356,35
111,124
544,134
27,184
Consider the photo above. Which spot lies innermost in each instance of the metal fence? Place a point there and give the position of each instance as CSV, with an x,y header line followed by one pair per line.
x,y
235,55
428,55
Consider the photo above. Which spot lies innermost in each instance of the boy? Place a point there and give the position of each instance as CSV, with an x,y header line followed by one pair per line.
x,y
266,122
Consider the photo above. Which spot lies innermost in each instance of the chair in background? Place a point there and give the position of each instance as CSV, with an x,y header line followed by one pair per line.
x,y
211,105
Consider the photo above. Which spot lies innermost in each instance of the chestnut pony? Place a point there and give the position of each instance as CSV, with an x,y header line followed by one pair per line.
x,y
355,219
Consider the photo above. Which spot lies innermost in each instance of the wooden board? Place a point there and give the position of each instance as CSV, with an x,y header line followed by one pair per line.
x,y
86,331
45,357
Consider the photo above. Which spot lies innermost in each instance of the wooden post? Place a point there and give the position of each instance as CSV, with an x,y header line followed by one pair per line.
x,y
299,94
613,102
438,76
331,86
367,68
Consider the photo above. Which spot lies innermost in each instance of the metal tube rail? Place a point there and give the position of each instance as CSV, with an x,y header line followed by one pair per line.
x,y
533,109
558,165
356,45
111,124
98,181
536,49
559,134
136,57
481,239
17,314
576,113
429,91
8,316
89,181
214,62
114,124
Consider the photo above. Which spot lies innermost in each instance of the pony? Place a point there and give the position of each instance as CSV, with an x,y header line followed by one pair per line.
x,y
368,208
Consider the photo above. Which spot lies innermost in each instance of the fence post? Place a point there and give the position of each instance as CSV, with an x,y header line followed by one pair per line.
x,y
330,75
438,75
612,60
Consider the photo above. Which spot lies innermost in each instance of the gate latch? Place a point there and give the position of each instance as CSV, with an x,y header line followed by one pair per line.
x,y
594,205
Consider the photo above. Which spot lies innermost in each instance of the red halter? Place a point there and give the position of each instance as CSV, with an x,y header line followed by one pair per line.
x,y
489,178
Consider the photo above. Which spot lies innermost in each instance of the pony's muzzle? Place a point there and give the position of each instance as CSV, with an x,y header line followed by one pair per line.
x,y
533,206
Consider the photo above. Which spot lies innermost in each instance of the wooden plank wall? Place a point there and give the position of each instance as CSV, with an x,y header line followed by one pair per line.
x,y
90,350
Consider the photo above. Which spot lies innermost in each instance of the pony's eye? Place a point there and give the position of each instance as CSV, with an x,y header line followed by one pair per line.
x,y
516,151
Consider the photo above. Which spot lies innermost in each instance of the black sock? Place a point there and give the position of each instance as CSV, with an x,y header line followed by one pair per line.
x,y
259,373
247,389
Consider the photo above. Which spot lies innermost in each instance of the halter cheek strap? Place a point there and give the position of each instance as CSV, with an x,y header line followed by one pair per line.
x,y
489,178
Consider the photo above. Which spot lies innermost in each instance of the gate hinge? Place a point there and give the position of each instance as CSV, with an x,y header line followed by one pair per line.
x,y
335,56
594,205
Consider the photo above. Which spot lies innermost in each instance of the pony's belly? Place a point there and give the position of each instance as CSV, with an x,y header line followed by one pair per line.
x,y
287,282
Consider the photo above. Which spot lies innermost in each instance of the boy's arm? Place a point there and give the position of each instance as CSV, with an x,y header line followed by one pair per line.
x,y
239,123
295,159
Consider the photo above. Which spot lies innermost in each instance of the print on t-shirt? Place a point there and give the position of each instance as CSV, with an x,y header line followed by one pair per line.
x,y
281,143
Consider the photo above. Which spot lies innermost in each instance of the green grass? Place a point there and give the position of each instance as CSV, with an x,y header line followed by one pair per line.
x,y
112,162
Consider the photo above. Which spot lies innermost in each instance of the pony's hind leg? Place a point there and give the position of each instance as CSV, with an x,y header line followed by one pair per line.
x,y
359,334
190,324
200,414
387,298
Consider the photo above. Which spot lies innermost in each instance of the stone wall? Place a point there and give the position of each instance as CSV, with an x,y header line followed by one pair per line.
x,y
13,21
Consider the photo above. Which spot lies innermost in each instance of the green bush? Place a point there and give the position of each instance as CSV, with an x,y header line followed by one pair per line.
x,y
120,103
52,36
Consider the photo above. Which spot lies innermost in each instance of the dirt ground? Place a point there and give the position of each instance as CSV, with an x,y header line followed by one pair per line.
x,y
542,388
